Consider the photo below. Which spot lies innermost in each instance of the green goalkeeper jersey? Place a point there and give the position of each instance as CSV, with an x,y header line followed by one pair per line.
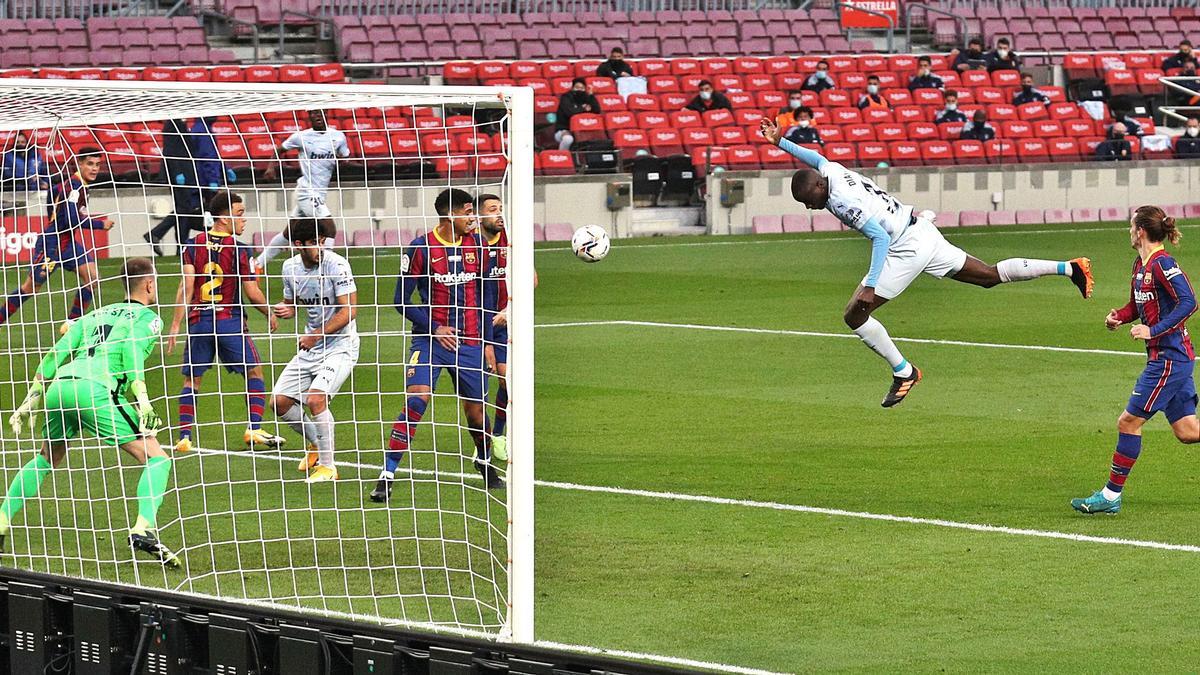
x,y
108,345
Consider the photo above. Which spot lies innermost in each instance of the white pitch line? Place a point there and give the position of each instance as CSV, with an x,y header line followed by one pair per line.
x,y
672,660
846,336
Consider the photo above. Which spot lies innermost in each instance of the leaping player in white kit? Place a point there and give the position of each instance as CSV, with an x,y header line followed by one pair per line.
x,y
319,149
904,243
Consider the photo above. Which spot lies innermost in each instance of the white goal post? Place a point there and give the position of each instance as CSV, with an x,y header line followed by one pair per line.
x,y
446,553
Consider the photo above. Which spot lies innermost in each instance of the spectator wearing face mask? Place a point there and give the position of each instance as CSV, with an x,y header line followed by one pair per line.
x,y
577,101
950,114
804,131
1187,146
820,80
1115,148
971,59
786,117
873,99
24,165
925,79
1028,94
708,98
1177,59
1002,57
616,66
978,129
1192,97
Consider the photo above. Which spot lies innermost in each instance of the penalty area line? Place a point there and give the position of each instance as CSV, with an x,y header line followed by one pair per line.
x,y
844,336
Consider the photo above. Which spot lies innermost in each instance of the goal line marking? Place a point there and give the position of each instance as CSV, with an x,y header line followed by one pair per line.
x,y
846,336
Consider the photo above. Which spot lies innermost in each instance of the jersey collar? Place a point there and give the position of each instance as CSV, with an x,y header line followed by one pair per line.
x,y
78,177
1153,252
493,240
443,241
218,233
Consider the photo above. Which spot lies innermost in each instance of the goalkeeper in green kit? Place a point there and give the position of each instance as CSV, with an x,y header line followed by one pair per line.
x,y
82,384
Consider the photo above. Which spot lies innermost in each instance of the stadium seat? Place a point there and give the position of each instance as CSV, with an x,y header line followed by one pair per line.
x,y
615,121
587,127
771,157
766,224
873,153
1063,149
922,131
1085,215
1001,151
972,218
717,118
937,152
685,119
947,219
1191,210
1015,129
706,158
665,141
1033,150
629,141
968,152
555,163
742,158
842,153
1001,217
1113,213
858,133
1056,216
729,136
823,221
559,231
1029,217
905,153
797,222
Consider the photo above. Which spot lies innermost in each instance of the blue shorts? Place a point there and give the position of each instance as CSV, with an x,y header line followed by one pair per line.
x,y
499,343
225,339
52,252
428,358
1167,386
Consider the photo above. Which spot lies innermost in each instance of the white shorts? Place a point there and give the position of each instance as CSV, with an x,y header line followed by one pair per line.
x,y
920,248
311,206
325,372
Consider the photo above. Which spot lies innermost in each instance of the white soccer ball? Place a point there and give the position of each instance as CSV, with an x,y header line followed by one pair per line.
x,y
590,243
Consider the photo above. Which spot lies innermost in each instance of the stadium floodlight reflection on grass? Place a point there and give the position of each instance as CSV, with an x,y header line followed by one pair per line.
x,y
445,552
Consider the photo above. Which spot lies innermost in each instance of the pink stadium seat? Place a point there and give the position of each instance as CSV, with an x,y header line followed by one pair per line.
x,y
823,221
1113,213
797,222
1174,210
1030,217
559,231
1056,216
1191,211
1084,215
1002,217
947,219
972,218
767,224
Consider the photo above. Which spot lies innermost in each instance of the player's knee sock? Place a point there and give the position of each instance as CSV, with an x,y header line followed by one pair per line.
x,y
1024,269
501,414
483,443
403,431
83,300
12,304
152,486
875,336
187,411
272,250
324,423
26,484
256,394
1129,446
299,423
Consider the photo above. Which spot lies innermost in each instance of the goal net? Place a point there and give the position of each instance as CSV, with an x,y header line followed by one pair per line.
x,y
443,551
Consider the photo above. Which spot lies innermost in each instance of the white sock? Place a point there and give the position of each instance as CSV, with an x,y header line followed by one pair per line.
x,y
1110,495
277,245
300,423
324,423
1024,269
875,336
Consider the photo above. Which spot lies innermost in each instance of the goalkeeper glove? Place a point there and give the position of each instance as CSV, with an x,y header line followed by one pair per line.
x,y
148,421
26,413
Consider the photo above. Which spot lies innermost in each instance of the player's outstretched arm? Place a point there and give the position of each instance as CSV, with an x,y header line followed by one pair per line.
x,y
770,131
880,241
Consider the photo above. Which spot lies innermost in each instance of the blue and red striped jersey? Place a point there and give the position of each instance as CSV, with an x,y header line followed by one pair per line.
x,y
222,264
495,290
1162,297
448,278
66,208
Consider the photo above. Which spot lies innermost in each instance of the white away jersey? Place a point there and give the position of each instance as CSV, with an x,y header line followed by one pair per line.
x,y
855,200
319,151
316,291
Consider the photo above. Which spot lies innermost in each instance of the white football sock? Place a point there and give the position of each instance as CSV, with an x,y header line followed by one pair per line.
x,y
300,423
1110,495
875,336
276,246
324,424
1024,269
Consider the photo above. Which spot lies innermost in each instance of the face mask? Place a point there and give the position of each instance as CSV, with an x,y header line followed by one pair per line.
x,y
1003,53
579,96
1193,131
974,51
952,106
794,103
980,123
1027,87
705,95
821,74
803,124
923,72
872,89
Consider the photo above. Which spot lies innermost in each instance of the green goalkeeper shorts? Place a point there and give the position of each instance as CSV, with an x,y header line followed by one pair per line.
x,y
75,406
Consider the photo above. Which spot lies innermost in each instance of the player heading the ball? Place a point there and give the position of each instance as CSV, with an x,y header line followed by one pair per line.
x,y
446,270
216,275
904,243
1161,297
82,385
319,281
319,146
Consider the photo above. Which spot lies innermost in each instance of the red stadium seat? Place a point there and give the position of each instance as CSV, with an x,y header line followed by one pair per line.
x,y
1063,149
376,149
328,72
120,74
707,156
905,153
457,166
539,85
922,131
492,164
620,120
560,86
968,152
842,153
695,137
746,65
1149,81
653,120
886,133
555,163
1001,151
612,102
902,63
976,78
1079,66
771,157
1001,112
1031,112
718,118
665,141
629,141
1078,128
807,64
842,63
673,101
261,73
1033,150
1015,129
405,145
870,154
491,70
295,72
950,78
778,64
771,100
852,81
643,102
910,113
716,66
1121,81
937,152
260,147
877,116
519,70
874,64
991,95
740,100
88,74
543,105
748,117
435,142
930,97
683,119
154,74
859,133
586,67
898,97
742,157
1047,129
685,67
649,67
587,127
729,136
1064,111
727,82
690,83
660,84
834,98
790,81
755,82
553,69
846,116
831,133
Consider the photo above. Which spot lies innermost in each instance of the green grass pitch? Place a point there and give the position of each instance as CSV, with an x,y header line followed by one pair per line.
x,y
992,436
